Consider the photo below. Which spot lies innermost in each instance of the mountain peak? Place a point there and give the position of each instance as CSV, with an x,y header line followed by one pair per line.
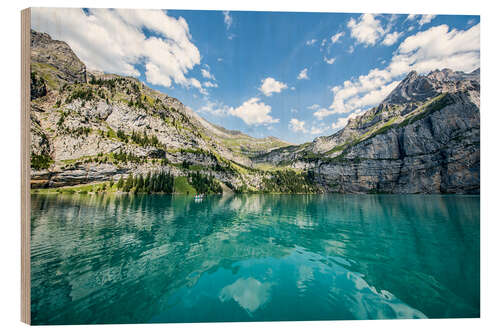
x,y
63,64
418,88
413,88
411,75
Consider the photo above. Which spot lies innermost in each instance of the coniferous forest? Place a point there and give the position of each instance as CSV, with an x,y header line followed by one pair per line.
x,y
161,182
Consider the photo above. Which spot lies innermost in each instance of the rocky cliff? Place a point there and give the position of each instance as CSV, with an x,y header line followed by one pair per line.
x,y
89,127
423,138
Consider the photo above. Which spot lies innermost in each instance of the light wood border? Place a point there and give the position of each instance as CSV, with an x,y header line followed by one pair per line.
x,y
25,166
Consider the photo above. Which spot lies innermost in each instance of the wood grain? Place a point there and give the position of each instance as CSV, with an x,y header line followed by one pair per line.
x,y
25,166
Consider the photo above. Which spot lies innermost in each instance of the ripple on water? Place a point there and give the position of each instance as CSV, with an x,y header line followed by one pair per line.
x,y
120,259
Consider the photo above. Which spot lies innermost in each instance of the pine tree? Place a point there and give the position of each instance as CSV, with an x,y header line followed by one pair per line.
x,y
147,183
129,183
140,184
120,183
134,182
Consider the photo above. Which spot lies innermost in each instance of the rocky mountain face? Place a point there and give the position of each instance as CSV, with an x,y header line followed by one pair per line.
x,y
423,138
89,127
55,60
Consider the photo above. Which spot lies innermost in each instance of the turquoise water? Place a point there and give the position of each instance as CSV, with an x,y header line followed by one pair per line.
x,y
159,258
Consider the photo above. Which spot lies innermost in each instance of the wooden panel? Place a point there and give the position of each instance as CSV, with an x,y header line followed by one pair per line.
x,y
25,166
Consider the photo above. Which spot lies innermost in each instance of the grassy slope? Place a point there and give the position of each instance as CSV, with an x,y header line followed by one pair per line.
x,y
244,144
181,186
86,188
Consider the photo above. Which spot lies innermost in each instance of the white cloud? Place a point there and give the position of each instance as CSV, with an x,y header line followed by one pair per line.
x,y
435,48
311,42
294,110
438,47
318,130
366,30
270,86
292,88
209,84
342,122
228,19
350,49
391,38
220,59
300,126
303,75
365,91
297,125
254,112
425,19
313,107
206,74
112,40
335,38
215,108
195,83
323,112
329,61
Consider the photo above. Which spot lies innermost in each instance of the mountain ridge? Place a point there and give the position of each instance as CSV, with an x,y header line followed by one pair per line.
x,y
83,123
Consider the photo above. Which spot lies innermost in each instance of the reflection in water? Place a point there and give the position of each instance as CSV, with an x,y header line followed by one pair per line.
x,y
155,258
249,293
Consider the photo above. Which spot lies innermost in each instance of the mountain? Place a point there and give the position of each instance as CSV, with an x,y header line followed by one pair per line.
x,y
423,138
55,61
240,143
90,127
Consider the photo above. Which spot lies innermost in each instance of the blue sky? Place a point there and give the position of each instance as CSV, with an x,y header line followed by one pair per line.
x,y
295,76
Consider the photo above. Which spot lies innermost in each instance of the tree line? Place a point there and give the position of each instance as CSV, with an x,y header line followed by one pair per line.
x,y
140,139
163,182
205,184
288,181
160,182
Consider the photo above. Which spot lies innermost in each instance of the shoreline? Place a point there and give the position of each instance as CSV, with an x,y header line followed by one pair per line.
x,y
67,191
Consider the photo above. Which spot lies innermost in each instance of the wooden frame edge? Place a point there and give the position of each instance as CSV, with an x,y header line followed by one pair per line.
x,y
25,167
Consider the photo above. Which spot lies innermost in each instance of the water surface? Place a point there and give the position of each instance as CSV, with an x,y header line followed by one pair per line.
x,y
160,258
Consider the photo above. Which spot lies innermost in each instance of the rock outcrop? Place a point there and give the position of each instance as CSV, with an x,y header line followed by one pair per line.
x,y
439,153
56,60
38,87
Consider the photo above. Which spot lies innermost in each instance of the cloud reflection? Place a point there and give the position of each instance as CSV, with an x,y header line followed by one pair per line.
x,y
249,293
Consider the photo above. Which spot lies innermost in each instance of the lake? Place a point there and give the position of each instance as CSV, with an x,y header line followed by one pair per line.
x,y
161,258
